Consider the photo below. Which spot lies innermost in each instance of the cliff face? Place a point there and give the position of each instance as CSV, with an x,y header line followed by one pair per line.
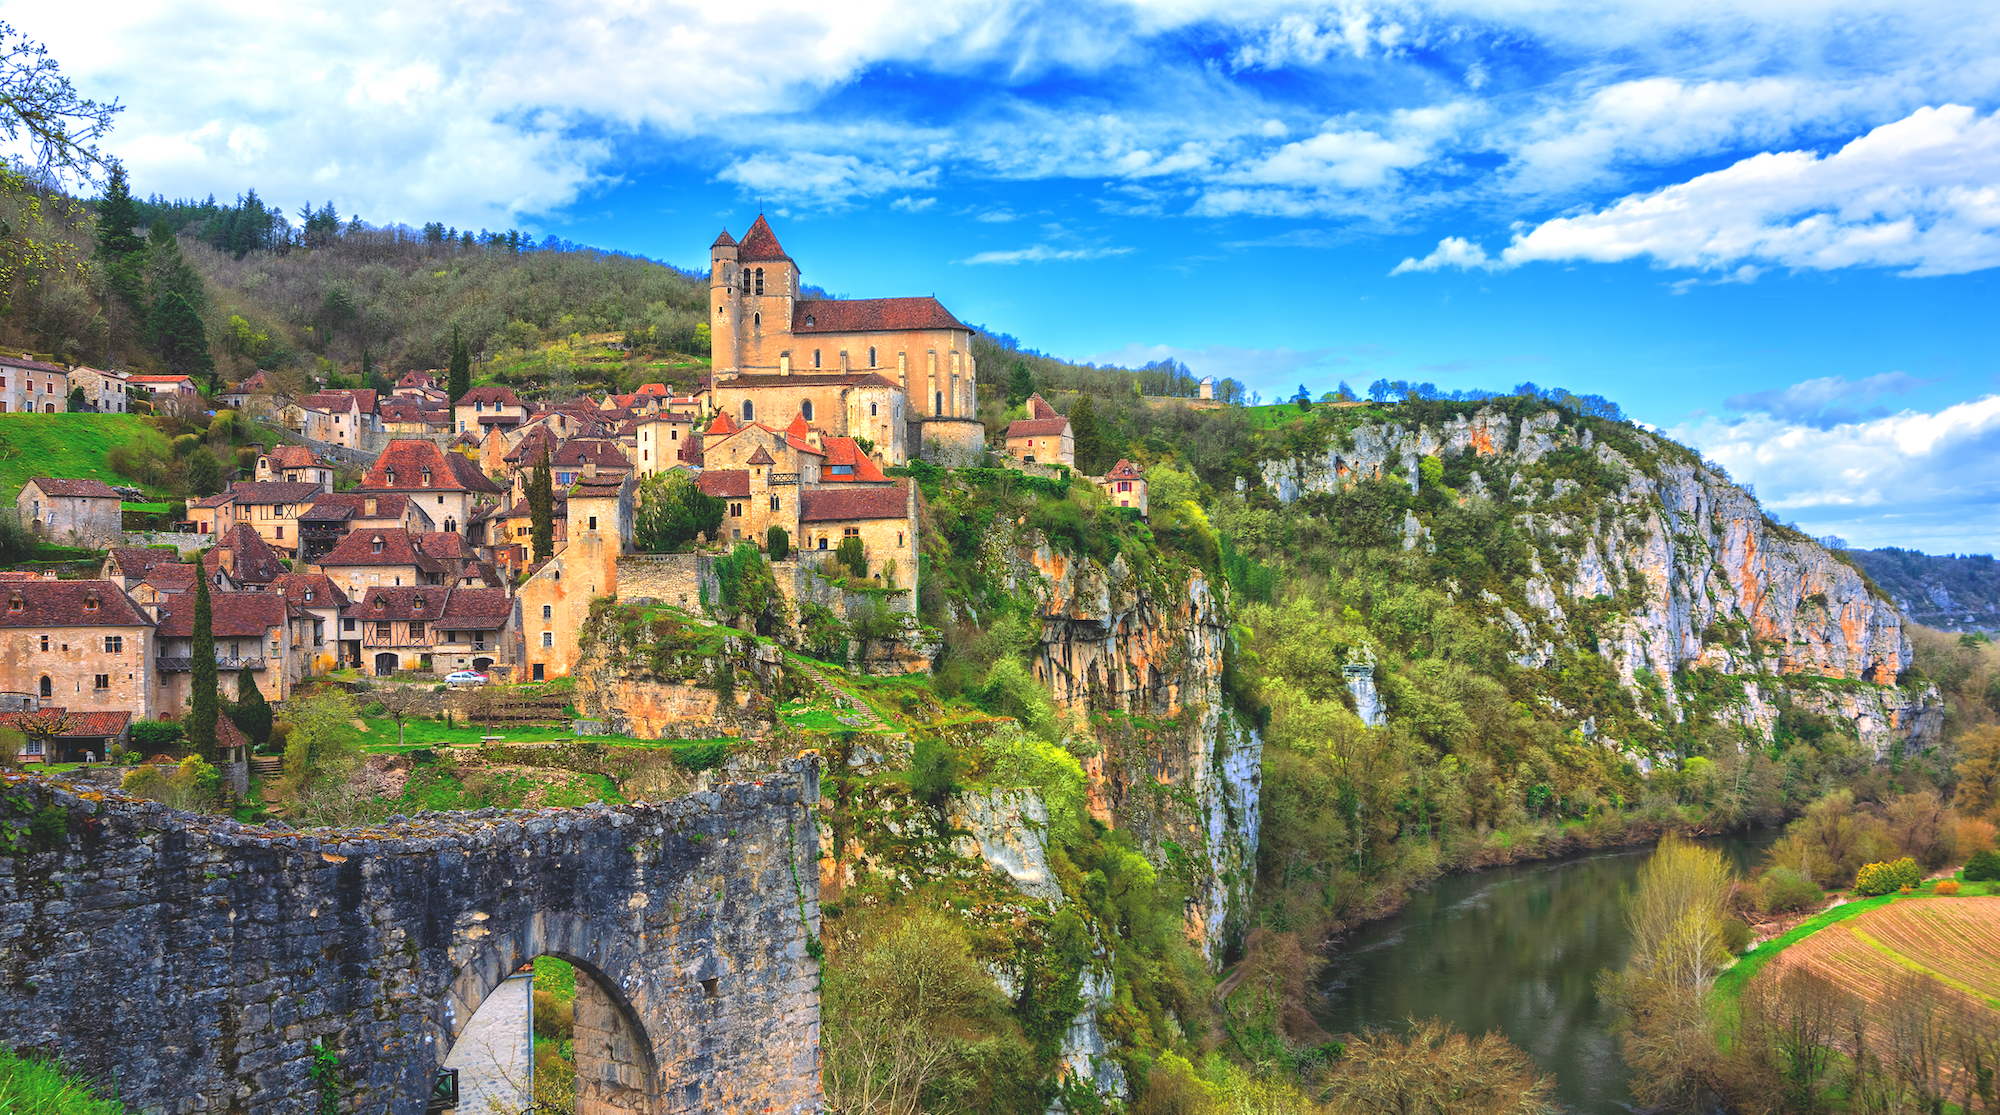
x,y
1140,659
1658,563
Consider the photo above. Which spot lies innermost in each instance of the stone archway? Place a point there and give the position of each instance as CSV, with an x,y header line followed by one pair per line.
x,y
385,664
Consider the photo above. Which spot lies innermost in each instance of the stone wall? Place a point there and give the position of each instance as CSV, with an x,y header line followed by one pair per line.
x,y
951,442
668,578
200,963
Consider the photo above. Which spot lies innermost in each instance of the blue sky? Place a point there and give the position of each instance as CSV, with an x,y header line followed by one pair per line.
x,y
1770,229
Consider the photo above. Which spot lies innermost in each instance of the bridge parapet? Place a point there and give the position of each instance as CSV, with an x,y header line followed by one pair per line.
x,y
202,964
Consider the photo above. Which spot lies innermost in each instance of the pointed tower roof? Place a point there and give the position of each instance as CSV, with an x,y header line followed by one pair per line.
x,y
761,243
721,425
724,241
761,457
799,427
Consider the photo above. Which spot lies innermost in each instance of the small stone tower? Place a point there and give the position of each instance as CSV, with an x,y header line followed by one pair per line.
x,y
724,336
751,289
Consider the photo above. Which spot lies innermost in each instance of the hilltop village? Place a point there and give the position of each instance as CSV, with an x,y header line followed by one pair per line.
x,y
802,432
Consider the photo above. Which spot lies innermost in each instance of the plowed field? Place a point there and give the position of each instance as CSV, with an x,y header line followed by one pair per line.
x,y
1956,940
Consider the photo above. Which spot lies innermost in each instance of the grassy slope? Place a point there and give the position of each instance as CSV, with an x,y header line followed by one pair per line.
x,y
36,1088
1730,984
66,445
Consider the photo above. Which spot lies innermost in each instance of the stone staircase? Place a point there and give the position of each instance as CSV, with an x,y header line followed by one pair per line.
x,y
859,715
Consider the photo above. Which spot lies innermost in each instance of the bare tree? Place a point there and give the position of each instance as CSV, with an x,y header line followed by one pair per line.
x,y
1918,1014
40,106
1437,1070
401,703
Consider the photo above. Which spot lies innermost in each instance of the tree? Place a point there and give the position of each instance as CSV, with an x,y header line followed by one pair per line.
x,y
1089,443
1020,383
320,758
76,400
778,542
204,701
542,508
180,338
1437,1070
39,104
252,713
851,554
400,703
673,510
119,244
45,725
1978,771
204,473
460,380
195,784
1304,398
372,378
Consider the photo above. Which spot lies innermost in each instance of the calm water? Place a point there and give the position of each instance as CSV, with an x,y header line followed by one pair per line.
x,y
1513,949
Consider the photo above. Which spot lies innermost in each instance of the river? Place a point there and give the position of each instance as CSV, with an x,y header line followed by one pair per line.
x,y
1514,949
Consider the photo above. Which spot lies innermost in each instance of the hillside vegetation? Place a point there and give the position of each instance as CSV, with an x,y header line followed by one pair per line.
x,y
1951,592
69,445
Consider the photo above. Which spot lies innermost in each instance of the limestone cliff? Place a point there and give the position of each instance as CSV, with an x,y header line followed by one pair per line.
x,y
1652,558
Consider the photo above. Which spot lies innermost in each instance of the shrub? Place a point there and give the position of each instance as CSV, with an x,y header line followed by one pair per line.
x,y
1983,867
852,555
1735,935
1882,878
1784,891
934,772
1947,888
155,736
778,542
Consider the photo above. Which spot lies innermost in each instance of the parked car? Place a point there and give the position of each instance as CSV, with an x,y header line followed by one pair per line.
x,y
464,677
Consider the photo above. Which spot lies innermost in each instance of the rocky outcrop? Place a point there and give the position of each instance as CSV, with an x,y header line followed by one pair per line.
x,y
1662,565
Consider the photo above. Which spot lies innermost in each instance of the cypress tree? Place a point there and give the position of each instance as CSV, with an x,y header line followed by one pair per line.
x,y
1083,428
542,508
461,369
1020,384
204,702
252,713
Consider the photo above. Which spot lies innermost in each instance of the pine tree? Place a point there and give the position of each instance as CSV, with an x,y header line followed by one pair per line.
x,y
1020,384
204,702
118,242
252,713
180,338
542,508
461,369
1083,428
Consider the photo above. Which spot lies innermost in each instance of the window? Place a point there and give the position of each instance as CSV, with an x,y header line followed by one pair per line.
x,y
756,321
851,532
593,522
48,687
416,632
538,671
45,642
1124,485
347,625
548,640
749,411
899,539
673,435
822,541
376,546
114,644
548,612
90,604
382,630
939,409
815,358
871,410
281,534
735,510
746,280
760,280
871,356
806,408
774,503
102,682
309,596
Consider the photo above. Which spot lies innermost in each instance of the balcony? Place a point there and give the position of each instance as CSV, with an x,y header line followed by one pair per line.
x,y
222,664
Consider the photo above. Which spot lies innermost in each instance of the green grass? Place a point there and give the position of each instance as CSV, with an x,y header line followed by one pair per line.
x,y
72,446
144,508
37,1088
1730,984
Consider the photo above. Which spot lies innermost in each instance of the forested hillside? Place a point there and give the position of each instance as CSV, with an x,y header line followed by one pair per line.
x,y
1951,592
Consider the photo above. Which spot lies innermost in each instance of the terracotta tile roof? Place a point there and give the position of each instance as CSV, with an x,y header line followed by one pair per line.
x,y
273,491
842,452
726,483
294,456
330,401
66,604
723,424
603,454
325,594
871,315
760,243
405,602
1038,427
1123,470
799,427
761,457
1039,407
103,724
170,578
413,410
495,420
219,499
341,506
135,562
417,379
398,548
656,388
252,560
38,366
489,605
850,378
228,735
837,505
234,615
83,489
529,452
409,459
445,545
134,379
491,393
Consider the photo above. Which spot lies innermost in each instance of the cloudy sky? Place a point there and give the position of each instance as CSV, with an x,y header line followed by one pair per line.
x,y
1770,228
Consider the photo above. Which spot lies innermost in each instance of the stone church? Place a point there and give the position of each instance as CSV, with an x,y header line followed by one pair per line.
x,y
894,374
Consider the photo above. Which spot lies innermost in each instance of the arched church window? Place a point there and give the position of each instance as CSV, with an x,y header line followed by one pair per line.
x,y
806,409
815,358
760,280
746,280
871,356
756,321
749,411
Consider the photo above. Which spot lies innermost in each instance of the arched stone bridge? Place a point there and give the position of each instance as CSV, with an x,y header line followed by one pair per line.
x,y
201,964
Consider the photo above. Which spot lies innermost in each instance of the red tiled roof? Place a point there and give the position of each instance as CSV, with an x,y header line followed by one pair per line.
x,y
445,545
724,241
170,578
761,457
1038,427
529,452
417,379
101,724
499,419
760,243
134,379
398,548
134,562
252,560
799,426
219,499
37,365
843,452
408,460
822,505
82,489
338,506
603,454
656,388
325,594
362,400
413,410
491,393
234,615
1039,407
273,491
871,315
723,424
294,456
1123,470
406,602
482,604
726,483
228,735
63,604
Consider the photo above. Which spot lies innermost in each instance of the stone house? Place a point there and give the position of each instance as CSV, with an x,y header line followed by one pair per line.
x,y
271,508
404,417
104,392
423,627
158,389
30,386
448,487
488,408
554,603
90,737
85,512
416,385
295,464
241,561
238,395
130,565
882,517
334,417
83,645
658,440
1044,437
897,372
1125,486
381,558
254,629
318,602
332,517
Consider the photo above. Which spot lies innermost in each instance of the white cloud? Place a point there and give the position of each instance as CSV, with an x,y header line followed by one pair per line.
x,y
1914,478
1043,253
1922,194
1828,401
913,204
1452,251
807,177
